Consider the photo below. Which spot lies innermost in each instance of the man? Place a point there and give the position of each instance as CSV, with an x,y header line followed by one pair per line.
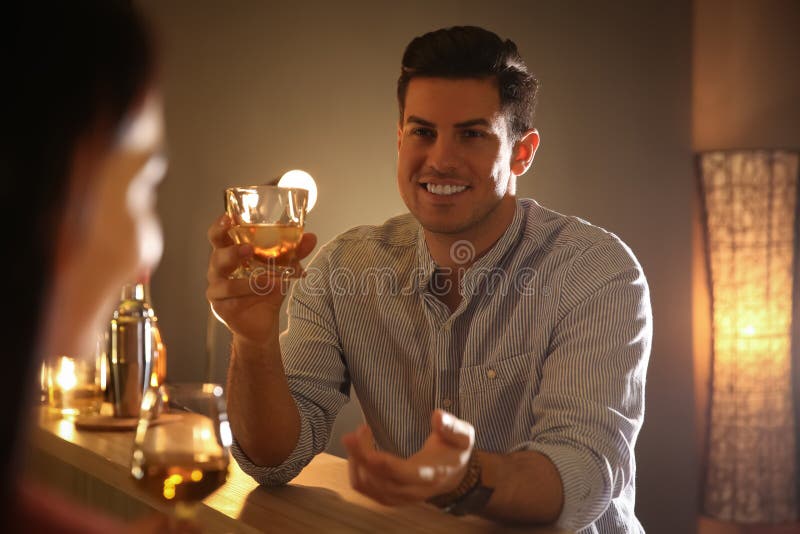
x,y
500,366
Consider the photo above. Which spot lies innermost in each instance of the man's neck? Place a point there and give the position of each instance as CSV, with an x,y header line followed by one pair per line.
x,y
478,239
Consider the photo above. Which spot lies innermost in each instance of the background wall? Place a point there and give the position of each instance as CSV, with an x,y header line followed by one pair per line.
x,y
256,88
746,79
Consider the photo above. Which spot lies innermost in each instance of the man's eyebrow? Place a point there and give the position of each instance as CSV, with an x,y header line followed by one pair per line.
x,y
473,122
420,121
463,124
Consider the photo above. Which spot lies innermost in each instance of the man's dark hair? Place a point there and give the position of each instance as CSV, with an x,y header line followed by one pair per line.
x,y
472,52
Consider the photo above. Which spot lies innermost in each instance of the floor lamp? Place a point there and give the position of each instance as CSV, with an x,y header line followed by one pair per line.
x,y
750,201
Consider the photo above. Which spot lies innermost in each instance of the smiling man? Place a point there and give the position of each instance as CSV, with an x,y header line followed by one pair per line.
x,y
499,349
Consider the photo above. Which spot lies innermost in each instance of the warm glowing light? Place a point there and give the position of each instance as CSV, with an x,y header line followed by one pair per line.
x,y
101,363
169,485
750,211
225,434
301,180
66,378
174,479
66,430
196,475
249,202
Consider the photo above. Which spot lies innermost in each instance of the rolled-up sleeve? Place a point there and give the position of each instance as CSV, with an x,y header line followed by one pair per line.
x,y
590,406
315,369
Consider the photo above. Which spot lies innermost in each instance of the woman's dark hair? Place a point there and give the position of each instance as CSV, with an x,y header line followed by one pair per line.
x,y
471,52
69,69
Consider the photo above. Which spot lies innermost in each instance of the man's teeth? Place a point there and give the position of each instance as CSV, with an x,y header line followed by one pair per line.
x,y
445,189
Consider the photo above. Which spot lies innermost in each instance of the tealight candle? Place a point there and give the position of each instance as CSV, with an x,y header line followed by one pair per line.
x,y
73,386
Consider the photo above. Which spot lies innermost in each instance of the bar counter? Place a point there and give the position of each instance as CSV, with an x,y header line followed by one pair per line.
x,y
93,467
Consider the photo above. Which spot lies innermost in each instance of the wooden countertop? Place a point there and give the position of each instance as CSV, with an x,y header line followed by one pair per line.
x,y
320,499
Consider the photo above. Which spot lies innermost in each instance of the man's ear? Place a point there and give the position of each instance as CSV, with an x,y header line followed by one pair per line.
x,y
399,135
524,151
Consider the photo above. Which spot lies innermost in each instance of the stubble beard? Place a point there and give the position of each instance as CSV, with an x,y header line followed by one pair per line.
x,y
455,229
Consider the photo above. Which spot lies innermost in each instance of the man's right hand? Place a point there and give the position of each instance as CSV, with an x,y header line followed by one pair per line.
x,y
246,306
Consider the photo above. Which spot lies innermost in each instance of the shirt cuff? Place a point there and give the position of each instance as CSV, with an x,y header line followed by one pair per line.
x,y
288,469
582,486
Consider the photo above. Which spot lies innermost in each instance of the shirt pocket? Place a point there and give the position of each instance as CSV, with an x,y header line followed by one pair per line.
x,y
496,397
497,374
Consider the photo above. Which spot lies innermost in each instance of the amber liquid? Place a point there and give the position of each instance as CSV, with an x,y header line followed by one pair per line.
x,y
273,244
183,481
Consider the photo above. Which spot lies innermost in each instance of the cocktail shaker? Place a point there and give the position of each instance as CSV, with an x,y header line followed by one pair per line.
x,y
130,351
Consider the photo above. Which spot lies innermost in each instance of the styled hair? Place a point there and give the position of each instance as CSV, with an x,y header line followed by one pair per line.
x,y
463,52
72,69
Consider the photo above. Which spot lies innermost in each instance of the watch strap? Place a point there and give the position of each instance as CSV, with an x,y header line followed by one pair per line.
x,y
469,496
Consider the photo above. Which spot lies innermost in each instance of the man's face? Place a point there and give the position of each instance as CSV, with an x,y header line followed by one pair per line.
x,y
454,156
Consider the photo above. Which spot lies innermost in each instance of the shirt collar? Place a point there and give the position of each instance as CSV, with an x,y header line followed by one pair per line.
x,y
482,266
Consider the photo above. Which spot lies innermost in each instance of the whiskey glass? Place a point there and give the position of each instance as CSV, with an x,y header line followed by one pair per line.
x,y
271,220
183,458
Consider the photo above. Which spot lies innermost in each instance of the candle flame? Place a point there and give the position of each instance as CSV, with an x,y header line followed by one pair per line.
x,y
66,378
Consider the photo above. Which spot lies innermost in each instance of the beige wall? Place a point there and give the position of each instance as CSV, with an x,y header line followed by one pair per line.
x,y
255,88
746,74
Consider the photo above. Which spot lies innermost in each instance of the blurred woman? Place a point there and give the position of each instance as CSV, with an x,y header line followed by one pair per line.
x,y
80,157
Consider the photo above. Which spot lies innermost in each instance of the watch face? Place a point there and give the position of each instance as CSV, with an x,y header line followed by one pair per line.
x,y
472,502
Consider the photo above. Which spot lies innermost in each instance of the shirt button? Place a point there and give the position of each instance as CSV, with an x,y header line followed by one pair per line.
x,y
447,403
491,374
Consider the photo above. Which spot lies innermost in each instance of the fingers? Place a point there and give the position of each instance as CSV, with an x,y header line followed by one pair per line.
x,y
225,260
226,256
218,232
387,466
307,244
453,430
368,478
304,248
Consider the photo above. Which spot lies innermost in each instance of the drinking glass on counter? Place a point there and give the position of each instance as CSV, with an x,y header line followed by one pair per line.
x,y
271,219
184,459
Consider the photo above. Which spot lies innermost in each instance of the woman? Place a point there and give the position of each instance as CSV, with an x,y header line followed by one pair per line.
x,y
81,158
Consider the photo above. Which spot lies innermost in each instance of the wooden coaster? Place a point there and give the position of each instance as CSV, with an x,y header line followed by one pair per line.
x,y
109,423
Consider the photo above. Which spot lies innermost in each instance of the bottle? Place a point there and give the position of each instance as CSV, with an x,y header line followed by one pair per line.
x,y
130,351
159,349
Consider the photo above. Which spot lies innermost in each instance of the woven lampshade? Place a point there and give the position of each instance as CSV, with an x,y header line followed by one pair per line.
x,y
750,202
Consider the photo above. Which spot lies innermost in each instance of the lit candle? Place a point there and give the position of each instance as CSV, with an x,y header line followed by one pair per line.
x,y
73,387
66,378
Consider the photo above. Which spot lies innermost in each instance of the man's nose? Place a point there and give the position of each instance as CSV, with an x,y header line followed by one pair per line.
x,y
444,154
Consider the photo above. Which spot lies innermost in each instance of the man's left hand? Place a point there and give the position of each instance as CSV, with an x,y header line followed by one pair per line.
x,y
435,469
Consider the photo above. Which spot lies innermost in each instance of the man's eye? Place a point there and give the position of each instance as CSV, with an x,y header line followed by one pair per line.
x,y
423,132
473,133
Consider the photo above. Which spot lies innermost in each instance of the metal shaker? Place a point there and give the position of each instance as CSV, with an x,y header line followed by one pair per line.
x,y
130,351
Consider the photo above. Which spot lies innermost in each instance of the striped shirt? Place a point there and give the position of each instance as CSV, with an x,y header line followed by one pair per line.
x,y
547,351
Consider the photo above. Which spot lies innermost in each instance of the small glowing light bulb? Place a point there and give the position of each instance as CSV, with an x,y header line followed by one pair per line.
x,y
301,180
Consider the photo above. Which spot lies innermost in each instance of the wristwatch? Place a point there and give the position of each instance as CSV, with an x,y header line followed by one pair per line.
x,y
470,496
